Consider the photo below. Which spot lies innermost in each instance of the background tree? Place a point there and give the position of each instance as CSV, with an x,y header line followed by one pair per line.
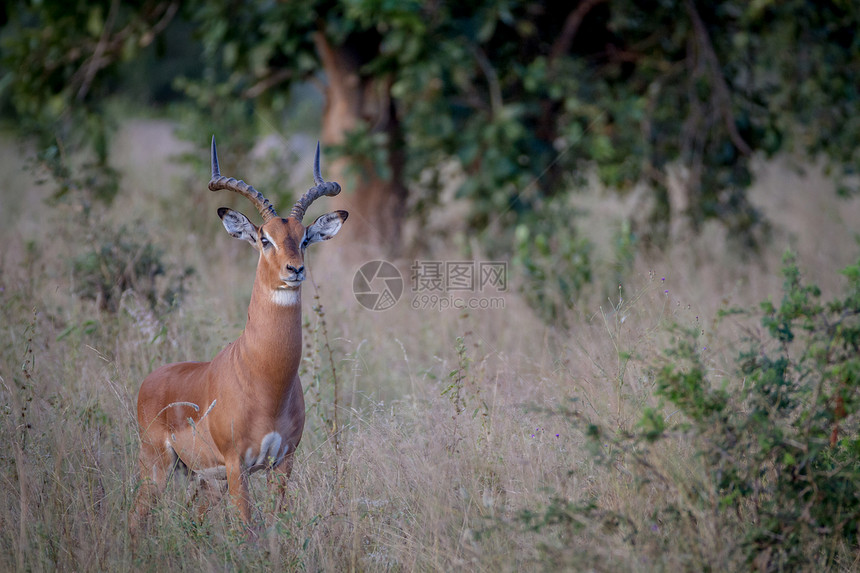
x,y
525,97
60,62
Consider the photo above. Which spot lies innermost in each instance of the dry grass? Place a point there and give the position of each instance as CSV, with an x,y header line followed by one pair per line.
x,y
422,481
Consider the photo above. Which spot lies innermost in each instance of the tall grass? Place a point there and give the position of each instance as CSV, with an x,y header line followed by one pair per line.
x,y
452,439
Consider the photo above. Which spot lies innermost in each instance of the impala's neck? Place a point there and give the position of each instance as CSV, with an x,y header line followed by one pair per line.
x,y
271,345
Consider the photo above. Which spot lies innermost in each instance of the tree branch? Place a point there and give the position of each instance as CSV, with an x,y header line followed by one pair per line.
x,y
571,26
95,63
722,95
267,83
546,128
159,26
109,45
496,101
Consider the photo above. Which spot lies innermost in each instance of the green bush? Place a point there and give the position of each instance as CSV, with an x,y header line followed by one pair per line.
x,y
123,259
782,448
552,260
773,479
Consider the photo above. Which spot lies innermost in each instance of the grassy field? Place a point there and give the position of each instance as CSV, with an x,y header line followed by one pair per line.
x,y
459,431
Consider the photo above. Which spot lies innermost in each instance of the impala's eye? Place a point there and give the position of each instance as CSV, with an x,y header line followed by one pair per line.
x,y
265,242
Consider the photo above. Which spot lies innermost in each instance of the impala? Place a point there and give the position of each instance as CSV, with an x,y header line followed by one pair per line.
x,y
244,410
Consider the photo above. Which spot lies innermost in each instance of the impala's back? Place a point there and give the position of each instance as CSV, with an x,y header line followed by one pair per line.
x,y
244,410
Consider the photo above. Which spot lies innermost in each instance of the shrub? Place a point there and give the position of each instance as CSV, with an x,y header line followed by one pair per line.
x,y
552,260
776,448
123,259
782,448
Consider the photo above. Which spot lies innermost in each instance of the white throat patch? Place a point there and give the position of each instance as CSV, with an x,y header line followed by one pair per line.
x,y
286,297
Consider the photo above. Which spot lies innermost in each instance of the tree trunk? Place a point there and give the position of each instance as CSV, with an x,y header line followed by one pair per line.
x,y
376,206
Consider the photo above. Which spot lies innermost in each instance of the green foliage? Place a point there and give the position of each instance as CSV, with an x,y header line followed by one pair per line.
x,y
367,152
783,448
502,88
552,260
454,390
117,261
464,393
456,393
777,440
526,105
212,111
510,88
60,61
526,97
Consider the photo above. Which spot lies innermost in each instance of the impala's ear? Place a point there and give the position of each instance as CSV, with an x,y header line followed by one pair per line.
x,y
324,228
239,226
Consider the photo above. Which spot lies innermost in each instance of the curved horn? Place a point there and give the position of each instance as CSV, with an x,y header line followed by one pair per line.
x,y
219,182
321,187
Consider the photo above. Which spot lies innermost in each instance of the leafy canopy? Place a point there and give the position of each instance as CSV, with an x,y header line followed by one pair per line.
x,y
525,96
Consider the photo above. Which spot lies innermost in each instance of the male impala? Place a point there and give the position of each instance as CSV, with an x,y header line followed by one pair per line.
x,y
243,411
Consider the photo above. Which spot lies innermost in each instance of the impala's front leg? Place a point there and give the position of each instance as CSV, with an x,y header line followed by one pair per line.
x,y
237,485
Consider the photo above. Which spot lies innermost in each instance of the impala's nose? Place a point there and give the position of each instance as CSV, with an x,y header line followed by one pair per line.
x,y
293,276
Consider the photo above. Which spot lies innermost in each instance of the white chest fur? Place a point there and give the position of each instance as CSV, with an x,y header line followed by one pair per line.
x,y
269,454
272,450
